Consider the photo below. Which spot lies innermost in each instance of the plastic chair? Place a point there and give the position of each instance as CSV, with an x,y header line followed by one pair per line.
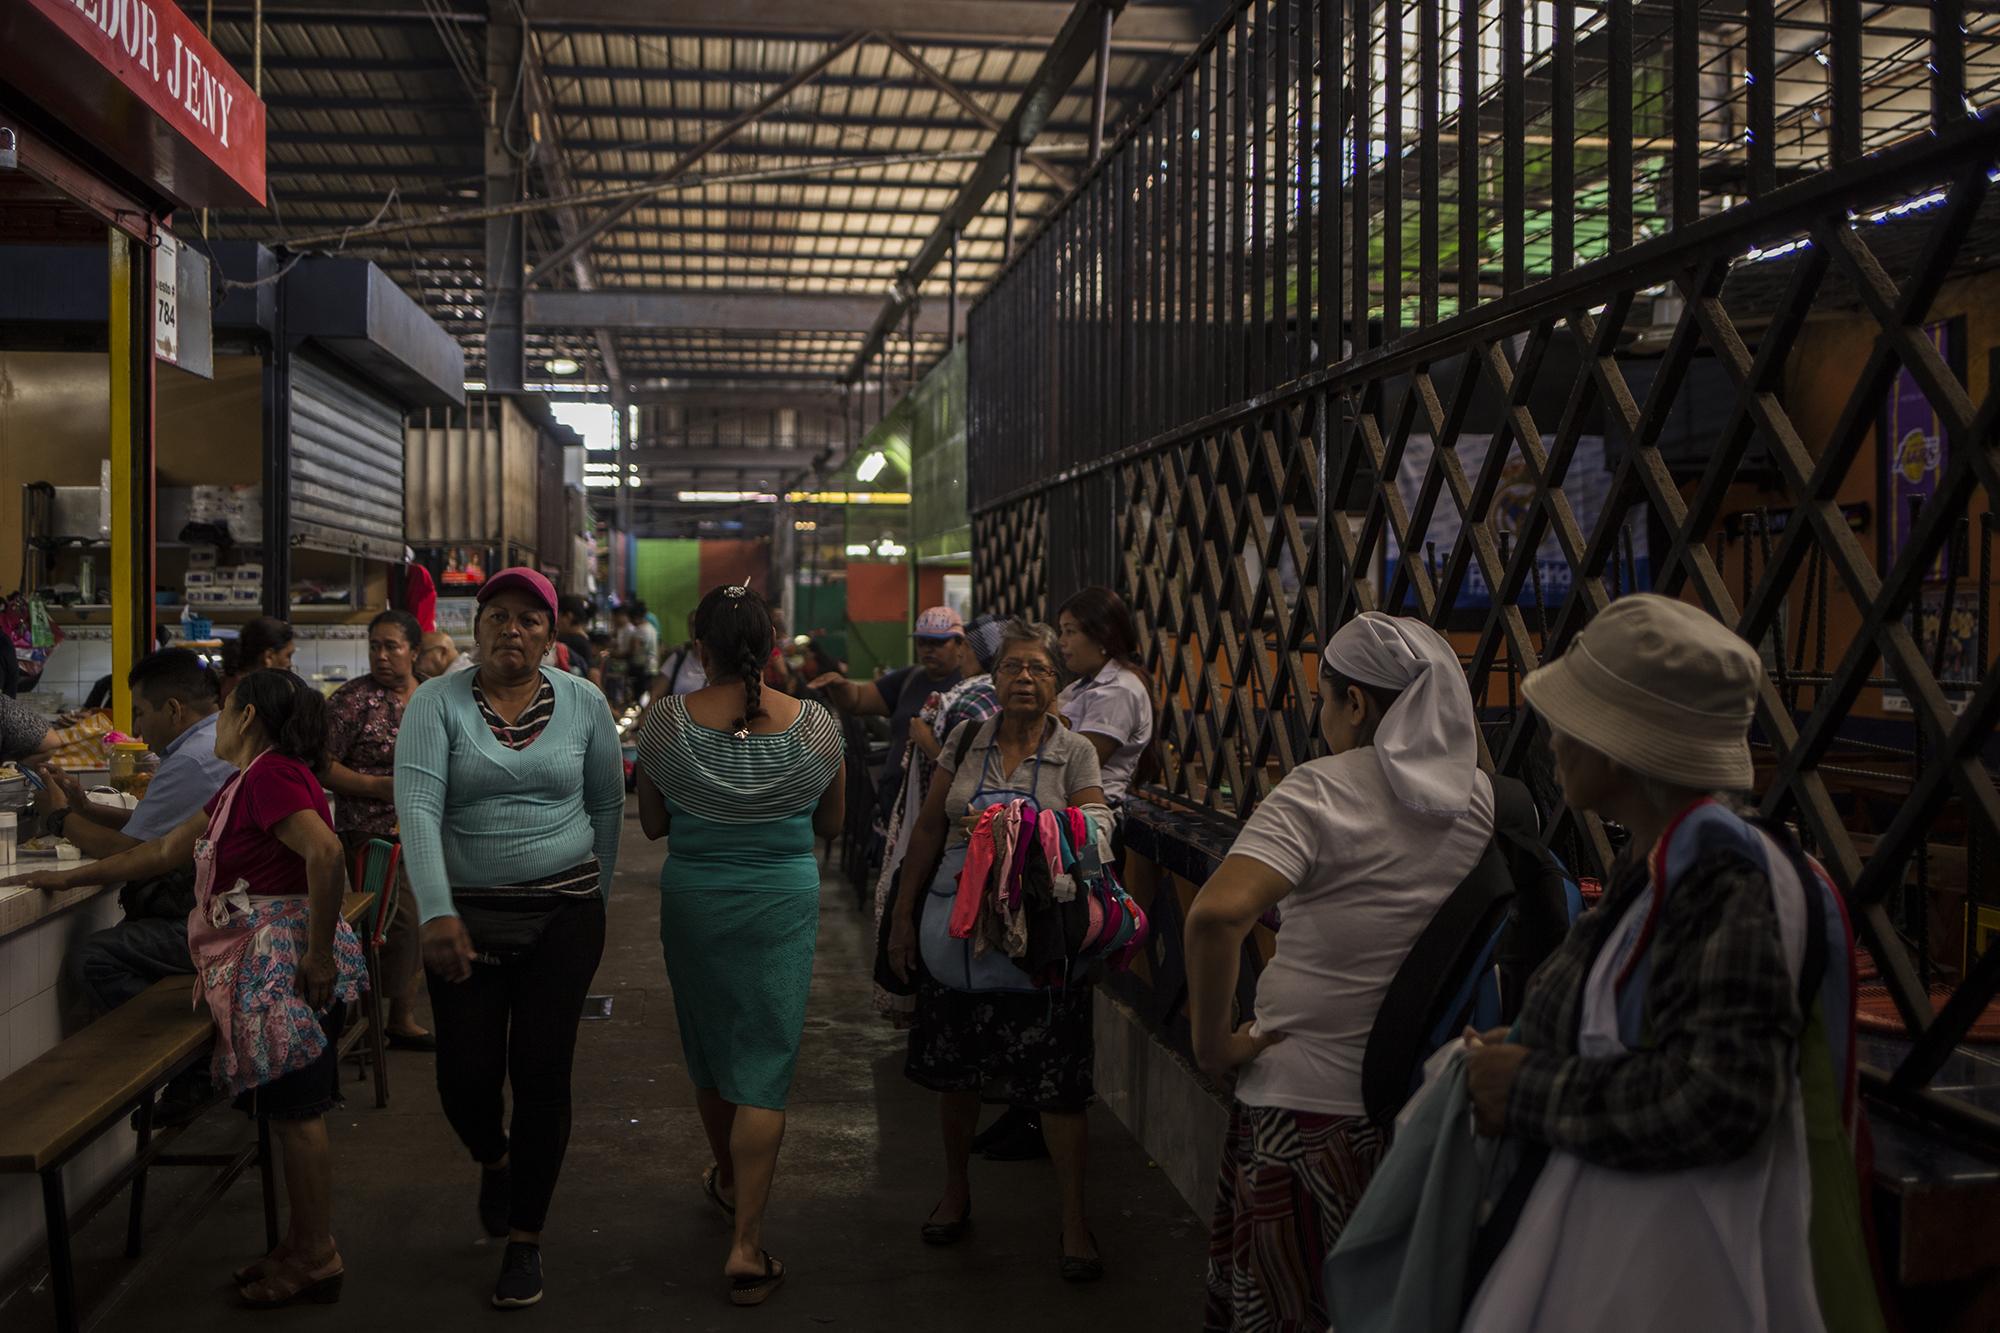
x,y
374,872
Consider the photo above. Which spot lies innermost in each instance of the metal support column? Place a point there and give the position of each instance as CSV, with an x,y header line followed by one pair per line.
x,y
621,543
1013,198
131,348
785,565
506,144
1103,87
277,461
951,297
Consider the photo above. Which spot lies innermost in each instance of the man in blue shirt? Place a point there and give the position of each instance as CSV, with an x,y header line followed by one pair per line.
x,y
174,706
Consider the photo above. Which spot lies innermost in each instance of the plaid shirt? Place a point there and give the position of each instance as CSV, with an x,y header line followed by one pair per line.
x,y
1722,1026
972,700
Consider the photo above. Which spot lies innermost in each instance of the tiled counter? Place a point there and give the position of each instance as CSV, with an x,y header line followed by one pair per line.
x,y
37,931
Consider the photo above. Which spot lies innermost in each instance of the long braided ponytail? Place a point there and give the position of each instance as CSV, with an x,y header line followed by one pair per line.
x,y
733,624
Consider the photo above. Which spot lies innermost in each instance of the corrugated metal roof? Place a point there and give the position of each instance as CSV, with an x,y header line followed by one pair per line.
x,y
374,118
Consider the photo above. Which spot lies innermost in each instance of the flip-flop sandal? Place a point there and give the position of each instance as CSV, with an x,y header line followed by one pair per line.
x,y
757,1290
714,1190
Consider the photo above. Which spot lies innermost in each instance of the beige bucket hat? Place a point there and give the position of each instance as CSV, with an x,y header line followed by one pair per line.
x,y
1660,687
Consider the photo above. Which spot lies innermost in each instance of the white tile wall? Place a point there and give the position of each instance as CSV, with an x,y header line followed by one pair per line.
x,y
18,972
325,650
84,656
33,1001
78,661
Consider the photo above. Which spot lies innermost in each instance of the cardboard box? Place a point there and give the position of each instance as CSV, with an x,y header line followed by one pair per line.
x,y
202,558
200,578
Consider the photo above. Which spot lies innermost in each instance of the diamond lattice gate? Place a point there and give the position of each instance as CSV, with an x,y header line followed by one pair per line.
x,y
1562,315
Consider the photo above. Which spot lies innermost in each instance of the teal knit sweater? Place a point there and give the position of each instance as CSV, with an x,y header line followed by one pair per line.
x,y
475,813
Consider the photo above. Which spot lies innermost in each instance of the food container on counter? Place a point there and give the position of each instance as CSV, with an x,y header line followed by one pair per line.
x,y
133,764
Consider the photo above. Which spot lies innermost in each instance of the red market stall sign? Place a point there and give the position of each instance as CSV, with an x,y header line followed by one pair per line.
x,y
86,62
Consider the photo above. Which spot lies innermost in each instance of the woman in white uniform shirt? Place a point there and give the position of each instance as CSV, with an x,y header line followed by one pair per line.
x,y
1361,847
1110,703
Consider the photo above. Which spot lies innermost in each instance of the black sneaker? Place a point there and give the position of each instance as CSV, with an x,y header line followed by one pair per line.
x,y
520,1284
496,1197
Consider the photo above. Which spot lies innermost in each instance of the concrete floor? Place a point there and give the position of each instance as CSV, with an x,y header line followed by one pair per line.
x,y
632,1243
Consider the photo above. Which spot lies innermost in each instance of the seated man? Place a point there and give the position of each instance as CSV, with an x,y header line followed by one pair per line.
x,y
440,657
174,706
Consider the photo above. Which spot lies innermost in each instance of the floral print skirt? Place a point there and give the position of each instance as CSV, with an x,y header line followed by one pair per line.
x,y
1029,1049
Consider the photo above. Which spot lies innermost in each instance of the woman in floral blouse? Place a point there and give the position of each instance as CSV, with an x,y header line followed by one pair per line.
x,y
362,721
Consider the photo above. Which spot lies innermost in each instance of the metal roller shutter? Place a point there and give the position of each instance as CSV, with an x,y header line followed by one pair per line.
x,y
347,464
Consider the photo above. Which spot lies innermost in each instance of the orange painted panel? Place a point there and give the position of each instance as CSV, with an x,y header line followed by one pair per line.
x,y
735,562
878,590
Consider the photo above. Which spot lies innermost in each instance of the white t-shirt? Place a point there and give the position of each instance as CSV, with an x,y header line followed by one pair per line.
x,y
1115,703
688,673
1368,873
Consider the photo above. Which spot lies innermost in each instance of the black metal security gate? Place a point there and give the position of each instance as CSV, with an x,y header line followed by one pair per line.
x,y
1491,311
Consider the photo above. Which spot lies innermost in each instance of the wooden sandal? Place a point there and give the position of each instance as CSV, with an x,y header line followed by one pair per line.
x,y
756,1290
289,1284
260,1269
711,1186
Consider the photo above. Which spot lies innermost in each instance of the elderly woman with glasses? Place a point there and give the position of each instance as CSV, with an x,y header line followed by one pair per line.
x,y
983,1030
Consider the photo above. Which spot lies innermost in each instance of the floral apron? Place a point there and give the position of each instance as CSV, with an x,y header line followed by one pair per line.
x,y
246,953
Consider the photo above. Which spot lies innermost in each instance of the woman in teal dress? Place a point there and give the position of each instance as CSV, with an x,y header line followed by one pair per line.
x,y
745,779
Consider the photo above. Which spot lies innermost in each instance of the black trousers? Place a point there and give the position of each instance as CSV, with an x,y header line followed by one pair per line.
x,y
515,1023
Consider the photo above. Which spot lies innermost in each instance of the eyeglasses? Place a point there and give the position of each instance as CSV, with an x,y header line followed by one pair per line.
x,y
1014,666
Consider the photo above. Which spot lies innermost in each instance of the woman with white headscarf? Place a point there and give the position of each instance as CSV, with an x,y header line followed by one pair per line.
x,y
1360,847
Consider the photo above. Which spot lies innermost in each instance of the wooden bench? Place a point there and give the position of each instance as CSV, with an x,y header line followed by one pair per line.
x,y
65,1099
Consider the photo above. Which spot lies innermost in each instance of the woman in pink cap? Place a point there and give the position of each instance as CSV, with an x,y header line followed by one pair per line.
x,y
510,791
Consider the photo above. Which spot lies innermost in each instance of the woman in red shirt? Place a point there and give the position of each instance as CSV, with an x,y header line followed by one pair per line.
x,y
273,956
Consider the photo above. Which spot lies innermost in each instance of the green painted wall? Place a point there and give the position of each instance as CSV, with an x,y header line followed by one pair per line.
x,y
666,575
823,607
939,525
873,644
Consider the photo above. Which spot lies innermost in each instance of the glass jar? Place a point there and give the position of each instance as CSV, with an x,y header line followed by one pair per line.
x,y
133,764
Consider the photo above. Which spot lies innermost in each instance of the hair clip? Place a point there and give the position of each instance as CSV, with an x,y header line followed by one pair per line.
x,y
735,591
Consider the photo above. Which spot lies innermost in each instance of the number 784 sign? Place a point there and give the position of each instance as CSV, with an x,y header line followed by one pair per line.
x,y
166,300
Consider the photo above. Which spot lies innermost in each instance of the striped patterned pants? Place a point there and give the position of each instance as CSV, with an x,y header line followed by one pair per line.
x,y
1289,1182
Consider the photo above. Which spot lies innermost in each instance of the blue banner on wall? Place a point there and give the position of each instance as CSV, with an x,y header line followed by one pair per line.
x,y
1588,489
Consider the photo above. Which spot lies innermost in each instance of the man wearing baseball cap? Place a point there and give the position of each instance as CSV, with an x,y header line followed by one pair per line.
x,y
900,695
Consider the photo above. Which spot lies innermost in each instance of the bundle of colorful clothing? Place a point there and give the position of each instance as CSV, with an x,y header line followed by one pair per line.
x,y
1040,886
